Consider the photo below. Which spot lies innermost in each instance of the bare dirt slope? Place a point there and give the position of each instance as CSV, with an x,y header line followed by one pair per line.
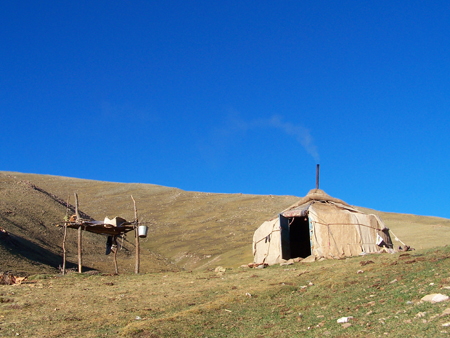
x,y
187,230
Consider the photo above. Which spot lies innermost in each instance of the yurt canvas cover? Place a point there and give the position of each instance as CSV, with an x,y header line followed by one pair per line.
x,y
322,226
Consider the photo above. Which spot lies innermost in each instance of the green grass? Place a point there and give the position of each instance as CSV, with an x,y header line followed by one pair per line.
x,y
279,301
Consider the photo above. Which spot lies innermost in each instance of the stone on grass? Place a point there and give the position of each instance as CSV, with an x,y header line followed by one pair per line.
x,y
309,259
420,315
289,262
435,298
344,319
220,269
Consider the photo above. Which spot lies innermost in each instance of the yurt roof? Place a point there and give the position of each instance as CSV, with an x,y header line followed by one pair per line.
x,y
315,195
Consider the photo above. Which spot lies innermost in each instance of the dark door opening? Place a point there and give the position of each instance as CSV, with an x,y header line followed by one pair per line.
x,y
299,237
295,237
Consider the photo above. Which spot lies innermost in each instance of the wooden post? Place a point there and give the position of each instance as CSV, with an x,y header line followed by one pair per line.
x,y
66,219
80,236
64,250
77,212
80,249
116,269
136,235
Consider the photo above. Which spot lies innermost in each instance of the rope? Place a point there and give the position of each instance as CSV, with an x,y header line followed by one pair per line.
x,y
364,225
396,238
270,242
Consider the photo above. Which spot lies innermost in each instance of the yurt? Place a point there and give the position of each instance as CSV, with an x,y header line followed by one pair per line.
x,y
321,226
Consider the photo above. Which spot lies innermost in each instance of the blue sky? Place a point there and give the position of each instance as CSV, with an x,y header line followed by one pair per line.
x,y
233,97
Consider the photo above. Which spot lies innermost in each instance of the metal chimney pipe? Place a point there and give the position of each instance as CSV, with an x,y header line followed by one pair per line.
x,y
317,177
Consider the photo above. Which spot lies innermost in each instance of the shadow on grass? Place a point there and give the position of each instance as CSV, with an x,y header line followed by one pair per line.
x,y
22,248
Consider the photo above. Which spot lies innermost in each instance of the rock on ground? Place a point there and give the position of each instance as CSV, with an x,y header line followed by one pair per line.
x,y
435,298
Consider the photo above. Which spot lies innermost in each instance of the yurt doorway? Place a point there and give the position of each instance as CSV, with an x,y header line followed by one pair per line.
x,y
295,237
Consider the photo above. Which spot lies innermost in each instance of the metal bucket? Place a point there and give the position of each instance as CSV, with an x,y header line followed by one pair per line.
x,y
142,231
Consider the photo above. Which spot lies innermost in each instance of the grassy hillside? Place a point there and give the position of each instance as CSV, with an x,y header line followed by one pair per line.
x,y
187,230
381,293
